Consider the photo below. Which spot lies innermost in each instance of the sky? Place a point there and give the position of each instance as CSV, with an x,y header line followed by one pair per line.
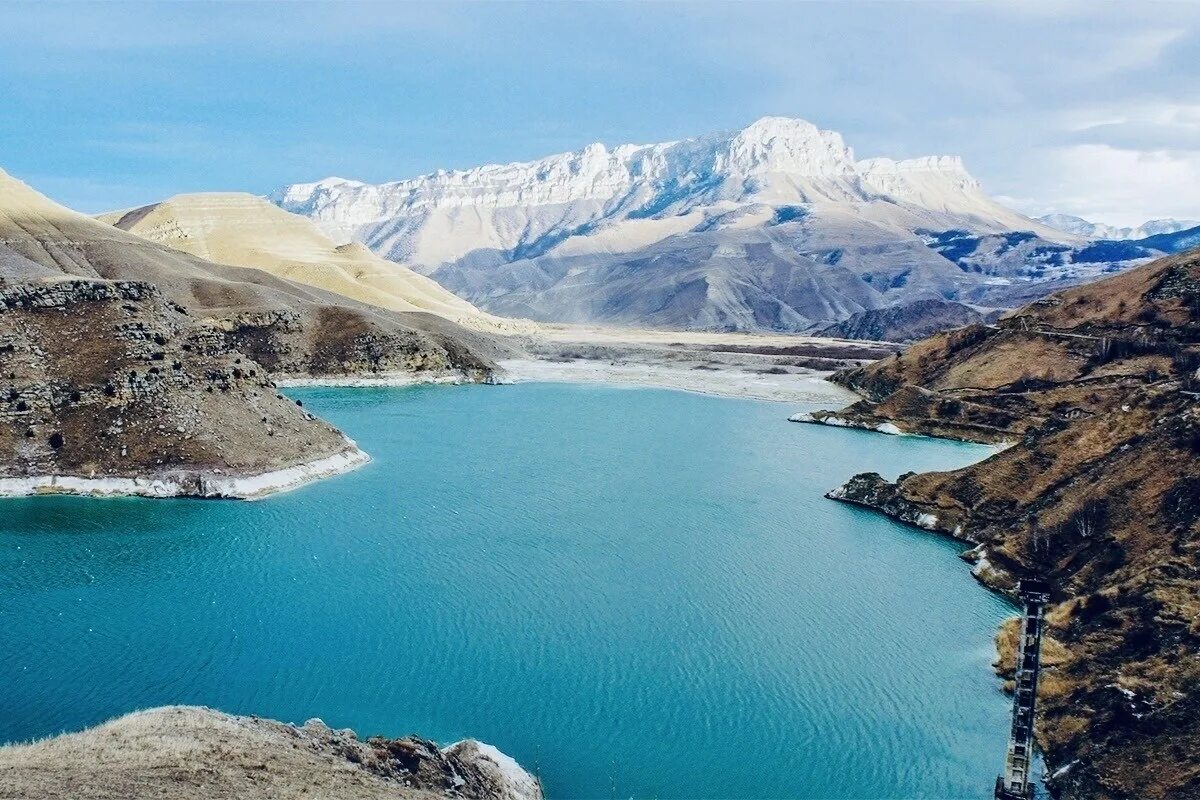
x,y
1085,107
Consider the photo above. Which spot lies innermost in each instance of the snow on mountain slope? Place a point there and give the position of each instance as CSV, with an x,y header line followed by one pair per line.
x,y
527,208
773,226
244,230
1098,230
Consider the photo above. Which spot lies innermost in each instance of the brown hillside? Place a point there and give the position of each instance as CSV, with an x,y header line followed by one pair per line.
x,y
1100,494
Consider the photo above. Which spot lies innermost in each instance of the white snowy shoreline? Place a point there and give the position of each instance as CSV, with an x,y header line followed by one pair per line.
x,y
211,483
835,421
380,379
724,382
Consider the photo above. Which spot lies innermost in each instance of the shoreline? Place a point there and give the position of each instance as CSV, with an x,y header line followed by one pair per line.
x,y
890,428
833,421
208,484
379,379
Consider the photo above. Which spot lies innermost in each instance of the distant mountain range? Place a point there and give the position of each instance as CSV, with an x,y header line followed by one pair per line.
x,y
1095,230
773,227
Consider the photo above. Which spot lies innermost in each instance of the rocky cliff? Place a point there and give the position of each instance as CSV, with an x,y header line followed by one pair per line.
x,y
905,323
189,753
1098,390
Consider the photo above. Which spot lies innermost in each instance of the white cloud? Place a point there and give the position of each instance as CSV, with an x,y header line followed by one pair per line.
x,y
1108,184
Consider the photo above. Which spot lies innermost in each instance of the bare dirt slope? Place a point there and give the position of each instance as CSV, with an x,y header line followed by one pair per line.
x,y
189,753
1099,388
248,231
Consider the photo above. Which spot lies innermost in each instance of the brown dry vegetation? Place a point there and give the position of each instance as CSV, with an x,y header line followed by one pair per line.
x,y
1100,494
102,379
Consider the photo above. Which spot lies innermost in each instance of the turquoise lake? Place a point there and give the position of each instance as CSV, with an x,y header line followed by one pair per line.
x,y
638,593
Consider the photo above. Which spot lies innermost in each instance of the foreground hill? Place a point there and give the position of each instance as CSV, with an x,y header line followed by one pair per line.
x,y
189,753
1098,388
773,227
247,231
110,388
130,367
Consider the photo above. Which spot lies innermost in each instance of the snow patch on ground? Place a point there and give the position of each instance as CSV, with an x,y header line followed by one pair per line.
x,y
512,779
380,379
841,422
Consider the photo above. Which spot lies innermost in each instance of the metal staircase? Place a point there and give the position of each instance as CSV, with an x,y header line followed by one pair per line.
x,y
1016,783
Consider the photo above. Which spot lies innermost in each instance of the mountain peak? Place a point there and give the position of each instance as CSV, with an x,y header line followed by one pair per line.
x,y
524,207
786,144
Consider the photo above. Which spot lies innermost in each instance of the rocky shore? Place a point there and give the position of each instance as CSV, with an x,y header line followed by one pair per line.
x,y
191,753
1098,387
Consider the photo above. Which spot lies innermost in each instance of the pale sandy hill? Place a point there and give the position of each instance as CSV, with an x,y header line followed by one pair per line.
x,y
244,230
290,328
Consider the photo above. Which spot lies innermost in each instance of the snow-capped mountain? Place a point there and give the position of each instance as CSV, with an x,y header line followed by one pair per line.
x,y
529,207
1098,230
777,225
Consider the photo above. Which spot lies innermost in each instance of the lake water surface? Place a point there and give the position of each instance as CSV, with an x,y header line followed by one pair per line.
x,y
639,593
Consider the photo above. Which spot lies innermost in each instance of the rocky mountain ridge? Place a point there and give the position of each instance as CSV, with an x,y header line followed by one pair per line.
x,y
776,161
1069,223
773,227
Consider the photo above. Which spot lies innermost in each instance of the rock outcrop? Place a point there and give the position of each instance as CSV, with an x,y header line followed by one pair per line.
x,y
107,387
1098,387
190,753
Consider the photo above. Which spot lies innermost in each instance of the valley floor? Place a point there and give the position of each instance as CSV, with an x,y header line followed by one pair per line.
x,y
724,381
779,367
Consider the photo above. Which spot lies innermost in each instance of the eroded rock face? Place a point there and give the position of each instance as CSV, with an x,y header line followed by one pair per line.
x,y
110,380
905,323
